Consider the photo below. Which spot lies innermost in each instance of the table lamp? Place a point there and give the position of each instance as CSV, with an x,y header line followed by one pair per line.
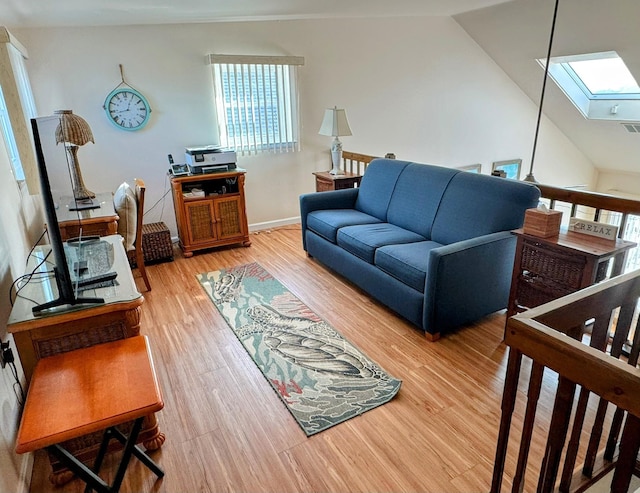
x,y
335,124
74,131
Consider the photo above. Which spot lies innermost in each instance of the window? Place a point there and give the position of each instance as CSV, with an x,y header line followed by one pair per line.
x,y
9,140
257,102
599,85
16,108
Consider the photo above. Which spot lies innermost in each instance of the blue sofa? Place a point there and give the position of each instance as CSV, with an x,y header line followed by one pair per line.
x,y
431,243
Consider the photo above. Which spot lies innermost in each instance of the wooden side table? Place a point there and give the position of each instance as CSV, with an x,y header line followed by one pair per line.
x,y
102,221
326,181
548,268
91,390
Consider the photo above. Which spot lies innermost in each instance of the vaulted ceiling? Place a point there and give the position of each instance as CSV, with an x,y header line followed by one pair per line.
x,y
514,33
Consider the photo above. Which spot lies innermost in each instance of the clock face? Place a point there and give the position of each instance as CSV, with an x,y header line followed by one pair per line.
x,y
127,109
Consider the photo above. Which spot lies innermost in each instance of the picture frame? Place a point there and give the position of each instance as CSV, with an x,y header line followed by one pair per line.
x,y
511,167
472,168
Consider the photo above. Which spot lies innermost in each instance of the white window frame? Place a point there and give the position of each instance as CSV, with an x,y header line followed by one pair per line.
x,y
18,107
256,102
614,107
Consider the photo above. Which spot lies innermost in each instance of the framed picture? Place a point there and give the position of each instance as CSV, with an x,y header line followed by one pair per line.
x,y
511,167
472,168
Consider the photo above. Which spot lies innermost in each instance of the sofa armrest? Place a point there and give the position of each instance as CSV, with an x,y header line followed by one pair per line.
x,y
467,280
333,199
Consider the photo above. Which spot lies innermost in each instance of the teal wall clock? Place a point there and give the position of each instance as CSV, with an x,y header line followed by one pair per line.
x,y
127,108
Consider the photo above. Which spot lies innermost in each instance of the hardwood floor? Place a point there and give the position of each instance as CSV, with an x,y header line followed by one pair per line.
x,y
227,430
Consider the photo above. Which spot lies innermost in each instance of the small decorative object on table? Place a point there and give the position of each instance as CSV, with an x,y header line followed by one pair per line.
x,y
593,228
542,222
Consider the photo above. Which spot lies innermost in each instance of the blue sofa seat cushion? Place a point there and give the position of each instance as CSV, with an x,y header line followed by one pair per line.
x,y
326,223
406,262
363,240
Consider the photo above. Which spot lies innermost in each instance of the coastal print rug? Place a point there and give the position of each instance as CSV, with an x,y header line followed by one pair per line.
x,y
321,377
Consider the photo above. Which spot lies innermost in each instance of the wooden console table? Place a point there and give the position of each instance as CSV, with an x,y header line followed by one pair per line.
x,y
38,337
326,181
548,268
101,222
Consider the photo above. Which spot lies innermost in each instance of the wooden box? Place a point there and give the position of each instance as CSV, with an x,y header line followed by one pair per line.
x,y
538,222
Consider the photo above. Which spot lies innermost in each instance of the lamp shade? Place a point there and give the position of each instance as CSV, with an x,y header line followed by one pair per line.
x,y
335,123
73,129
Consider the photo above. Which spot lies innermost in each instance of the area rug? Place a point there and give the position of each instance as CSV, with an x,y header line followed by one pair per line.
x,y
321,377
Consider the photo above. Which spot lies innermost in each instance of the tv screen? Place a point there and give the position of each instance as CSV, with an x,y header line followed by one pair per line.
x,y
55,182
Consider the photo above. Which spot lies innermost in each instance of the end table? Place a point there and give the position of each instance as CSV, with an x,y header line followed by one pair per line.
x,y
326,181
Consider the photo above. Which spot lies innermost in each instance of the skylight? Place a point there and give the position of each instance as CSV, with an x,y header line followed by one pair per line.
x,y
599,85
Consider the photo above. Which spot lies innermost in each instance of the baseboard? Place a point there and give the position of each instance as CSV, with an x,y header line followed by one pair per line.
x,y
273,224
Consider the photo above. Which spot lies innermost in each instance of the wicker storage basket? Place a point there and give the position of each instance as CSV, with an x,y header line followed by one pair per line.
x,y
156,244
554,265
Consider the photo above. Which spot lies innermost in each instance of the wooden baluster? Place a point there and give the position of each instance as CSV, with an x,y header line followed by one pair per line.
x,y
629,448
508,405
599,339
623,328
596,215
533,394
574,209
623,224
557,434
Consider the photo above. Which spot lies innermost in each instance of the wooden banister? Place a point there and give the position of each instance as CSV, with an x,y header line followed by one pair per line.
x,y
580,337
354,162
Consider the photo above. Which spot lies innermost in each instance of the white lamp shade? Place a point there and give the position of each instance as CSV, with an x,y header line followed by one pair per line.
x,y
335,123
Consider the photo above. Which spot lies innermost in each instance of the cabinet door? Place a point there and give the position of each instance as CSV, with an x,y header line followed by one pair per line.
x,y
230,218
201,227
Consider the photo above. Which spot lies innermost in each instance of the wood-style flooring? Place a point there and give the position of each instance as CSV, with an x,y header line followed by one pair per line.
x,y
227,430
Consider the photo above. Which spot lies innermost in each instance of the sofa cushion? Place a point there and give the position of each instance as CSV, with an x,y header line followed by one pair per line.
x,y
406,262
417,195
363,240
377,186
475,205
326,223
126,206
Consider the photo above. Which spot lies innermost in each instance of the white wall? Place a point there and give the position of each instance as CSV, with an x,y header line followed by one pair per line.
x,y
18,224
621,183
418,87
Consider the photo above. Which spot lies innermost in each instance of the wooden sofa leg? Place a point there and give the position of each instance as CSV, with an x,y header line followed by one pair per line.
x,y
432,337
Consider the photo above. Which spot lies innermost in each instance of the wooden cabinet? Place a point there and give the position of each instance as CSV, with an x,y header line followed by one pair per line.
x,y
210,210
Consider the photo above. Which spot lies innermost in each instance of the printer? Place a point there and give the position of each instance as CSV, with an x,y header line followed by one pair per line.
x,y
209,159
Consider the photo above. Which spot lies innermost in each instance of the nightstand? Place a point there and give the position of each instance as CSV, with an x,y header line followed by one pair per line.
x,y
548,268
326,181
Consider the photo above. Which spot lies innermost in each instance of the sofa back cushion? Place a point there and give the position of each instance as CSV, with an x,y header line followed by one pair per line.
x,y
475,205
377,186
417,195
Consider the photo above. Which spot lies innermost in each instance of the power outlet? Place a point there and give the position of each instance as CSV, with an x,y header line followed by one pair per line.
x,y
6,355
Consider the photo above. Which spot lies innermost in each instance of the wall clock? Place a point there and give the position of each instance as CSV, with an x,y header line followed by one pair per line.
x,y
126,107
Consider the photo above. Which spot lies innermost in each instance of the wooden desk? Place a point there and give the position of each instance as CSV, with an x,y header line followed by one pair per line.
x,y
100,222
38,337
90,390
326,181
548,268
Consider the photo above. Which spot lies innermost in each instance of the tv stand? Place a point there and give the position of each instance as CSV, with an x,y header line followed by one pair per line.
x,y
210,210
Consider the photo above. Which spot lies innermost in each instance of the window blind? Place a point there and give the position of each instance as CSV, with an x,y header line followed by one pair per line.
x,y
256,101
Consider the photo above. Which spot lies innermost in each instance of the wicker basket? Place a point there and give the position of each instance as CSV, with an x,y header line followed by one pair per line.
x,y
535,291
156,244
553,265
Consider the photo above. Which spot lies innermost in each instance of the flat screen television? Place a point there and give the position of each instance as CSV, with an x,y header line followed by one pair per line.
x,y
52,156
